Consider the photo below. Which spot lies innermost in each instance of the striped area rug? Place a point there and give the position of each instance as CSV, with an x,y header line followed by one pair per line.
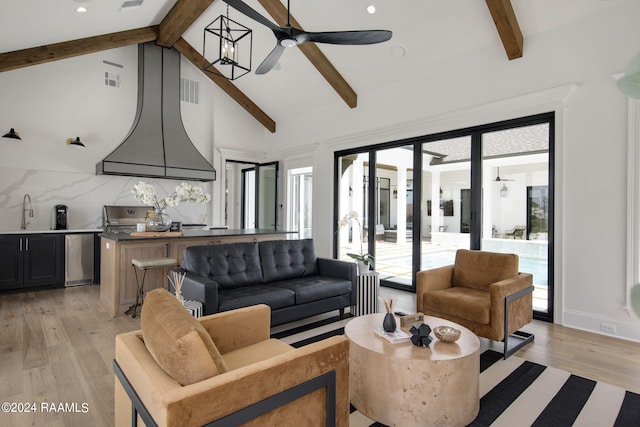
x,y
515,392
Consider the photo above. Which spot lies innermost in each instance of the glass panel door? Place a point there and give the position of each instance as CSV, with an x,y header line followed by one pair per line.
x,y
446,200
249,198
353,189
267,195
394,215
516,205
299,201
246,207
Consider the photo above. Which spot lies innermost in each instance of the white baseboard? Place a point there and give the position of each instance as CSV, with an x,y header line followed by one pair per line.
x,y
624,329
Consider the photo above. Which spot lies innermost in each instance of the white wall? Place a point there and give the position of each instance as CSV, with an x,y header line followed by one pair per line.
x,y
52,102
483,87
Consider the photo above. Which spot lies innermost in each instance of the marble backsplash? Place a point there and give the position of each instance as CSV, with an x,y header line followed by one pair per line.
x,y
84,194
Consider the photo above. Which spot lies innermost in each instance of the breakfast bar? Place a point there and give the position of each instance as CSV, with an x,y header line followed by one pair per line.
x,y
118,282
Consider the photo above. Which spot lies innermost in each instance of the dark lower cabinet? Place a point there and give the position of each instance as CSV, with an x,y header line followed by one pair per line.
x,y
31,260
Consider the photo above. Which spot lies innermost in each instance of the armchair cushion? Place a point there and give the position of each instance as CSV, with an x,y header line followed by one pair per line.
x,y
477,270
469,304
179,344
254,353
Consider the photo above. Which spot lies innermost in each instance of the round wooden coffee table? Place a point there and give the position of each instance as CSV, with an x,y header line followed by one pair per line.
x,y
405,385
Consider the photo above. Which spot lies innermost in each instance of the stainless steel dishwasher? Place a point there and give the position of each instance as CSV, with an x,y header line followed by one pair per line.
x,y
78,259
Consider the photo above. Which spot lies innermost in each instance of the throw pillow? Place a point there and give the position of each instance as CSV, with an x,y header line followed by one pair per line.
x,y
177,341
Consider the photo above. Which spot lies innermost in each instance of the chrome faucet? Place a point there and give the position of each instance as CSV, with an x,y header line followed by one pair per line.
x,y
26,199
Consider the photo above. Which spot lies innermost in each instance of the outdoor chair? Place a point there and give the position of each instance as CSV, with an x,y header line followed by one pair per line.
x,y
515,232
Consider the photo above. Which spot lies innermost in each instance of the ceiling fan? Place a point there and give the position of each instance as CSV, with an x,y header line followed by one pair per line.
x,y
498,179
289,36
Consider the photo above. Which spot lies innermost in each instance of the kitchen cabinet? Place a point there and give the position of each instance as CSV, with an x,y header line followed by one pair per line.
x,y
31,260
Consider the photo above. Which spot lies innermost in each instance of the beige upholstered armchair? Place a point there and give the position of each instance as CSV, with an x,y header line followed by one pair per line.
x,y
224,370
482,291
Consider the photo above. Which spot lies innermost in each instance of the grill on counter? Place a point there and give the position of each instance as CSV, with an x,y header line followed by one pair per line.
x,y
123,219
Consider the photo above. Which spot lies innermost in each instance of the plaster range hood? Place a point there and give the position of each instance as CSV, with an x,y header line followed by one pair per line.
x,y
157,145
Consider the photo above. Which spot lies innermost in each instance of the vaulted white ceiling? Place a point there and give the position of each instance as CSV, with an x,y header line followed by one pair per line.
x,y
430,32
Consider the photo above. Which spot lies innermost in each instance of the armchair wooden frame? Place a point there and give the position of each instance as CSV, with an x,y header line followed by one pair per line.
x,y
327,381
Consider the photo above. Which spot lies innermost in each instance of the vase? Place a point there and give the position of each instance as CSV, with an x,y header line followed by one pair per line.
x,y
389,322
362,267
157,220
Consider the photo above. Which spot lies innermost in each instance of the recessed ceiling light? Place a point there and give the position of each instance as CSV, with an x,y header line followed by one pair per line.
x,y
398,51
371,9
81,9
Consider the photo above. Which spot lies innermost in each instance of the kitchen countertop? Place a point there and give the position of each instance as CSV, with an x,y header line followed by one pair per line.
x,y
120,237
71,231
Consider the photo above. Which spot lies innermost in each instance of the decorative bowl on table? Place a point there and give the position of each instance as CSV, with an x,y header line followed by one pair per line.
x,y
446,333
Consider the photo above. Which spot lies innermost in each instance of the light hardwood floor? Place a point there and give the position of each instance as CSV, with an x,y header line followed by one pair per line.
x,y
57,346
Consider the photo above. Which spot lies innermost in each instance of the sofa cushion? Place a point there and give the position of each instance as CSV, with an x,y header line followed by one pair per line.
x,y
287,259
177,341
273,296
315,288
479,269
231,265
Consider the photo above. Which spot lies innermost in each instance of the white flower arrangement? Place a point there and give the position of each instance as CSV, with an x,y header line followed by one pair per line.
x,y
146,194
362,256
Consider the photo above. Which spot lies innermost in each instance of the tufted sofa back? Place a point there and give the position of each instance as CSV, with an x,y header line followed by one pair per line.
x,y
230,265
287,259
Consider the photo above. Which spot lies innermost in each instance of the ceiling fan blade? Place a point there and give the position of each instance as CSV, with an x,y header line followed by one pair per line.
x,y
271,60
242,7
350,37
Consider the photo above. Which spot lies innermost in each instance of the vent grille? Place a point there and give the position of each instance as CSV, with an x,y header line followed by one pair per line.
x,y
78,282
111,76
189,90
129,4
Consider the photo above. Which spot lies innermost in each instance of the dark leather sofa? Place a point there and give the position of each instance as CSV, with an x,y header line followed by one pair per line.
x,y
286,275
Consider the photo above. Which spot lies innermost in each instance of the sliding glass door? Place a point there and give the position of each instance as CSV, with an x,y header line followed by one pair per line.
x,y
411,204
445,203
516,207
394,215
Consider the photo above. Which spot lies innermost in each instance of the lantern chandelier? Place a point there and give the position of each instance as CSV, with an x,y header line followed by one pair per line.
x,y
231,44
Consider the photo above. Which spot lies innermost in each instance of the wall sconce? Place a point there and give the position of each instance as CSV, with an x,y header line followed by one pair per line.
x,y
76,143
504,191
12,134
350,191
395,193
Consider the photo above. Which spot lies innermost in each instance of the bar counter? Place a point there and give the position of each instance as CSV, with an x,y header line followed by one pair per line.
x,y
117,276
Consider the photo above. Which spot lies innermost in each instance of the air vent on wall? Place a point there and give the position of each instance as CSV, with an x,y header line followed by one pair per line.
x,y
189,90
130,4
112,73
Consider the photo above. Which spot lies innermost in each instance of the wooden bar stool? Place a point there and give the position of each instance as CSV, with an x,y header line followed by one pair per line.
x,y
146,265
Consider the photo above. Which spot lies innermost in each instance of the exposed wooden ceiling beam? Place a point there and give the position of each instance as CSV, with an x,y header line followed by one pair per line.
x,y
180,17
236,94
507,24
53,52
279,13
